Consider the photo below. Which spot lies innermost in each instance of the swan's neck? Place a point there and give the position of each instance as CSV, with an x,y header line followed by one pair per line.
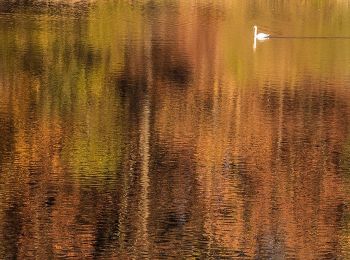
x,y
255,31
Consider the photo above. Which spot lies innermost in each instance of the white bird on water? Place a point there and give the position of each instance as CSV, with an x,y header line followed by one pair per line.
x,y
260,36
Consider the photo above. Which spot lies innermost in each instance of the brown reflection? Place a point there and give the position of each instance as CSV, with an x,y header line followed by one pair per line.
x,y
152,130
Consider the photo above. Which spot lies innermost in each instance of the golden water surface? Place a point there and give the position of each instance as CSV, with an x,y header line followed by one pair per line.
x,y
154,129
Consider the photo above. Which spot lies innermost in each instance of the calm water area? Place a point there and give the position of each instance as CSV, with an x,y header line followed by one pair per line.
x,y
155,130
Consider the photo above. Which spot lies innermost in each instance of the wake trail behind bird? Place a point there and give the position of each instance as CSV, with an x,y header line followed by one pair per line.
x,y
309,37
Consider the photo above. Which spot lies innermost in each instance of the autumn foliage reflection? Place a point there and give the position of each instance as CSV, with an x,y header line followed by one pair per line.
x,y
148,130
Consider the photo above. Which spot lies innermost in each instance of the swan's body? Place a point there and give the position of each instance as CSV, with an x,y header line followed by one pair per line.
x,y
260,36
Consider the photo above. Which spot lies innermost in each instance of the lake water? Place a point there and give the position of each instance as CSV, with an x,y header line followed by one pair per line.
x,y
155,130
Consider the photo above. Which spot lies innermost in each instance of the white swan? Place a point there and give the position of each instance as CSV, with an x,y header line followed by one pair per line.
x,y
260,36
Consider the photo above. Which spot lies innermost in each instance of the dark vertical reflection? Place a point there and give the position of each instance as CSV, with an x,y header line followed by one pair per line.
x,y
154,130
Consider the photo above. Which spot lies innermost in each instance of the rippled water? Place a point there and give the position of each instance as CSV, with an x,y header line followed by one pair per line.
x,y
154,129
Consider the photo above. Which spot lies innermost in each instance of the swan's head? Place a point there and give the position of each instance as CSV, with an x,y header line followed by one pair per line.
x,y
255,27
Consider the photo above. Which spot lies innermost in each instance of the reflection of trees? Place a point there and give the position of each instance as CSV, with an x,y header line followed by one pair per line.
x,y
130,140
63,129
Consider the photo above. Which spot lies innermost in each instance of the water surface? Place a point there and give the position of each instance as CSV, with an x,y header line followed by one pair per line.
x,y
154,129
